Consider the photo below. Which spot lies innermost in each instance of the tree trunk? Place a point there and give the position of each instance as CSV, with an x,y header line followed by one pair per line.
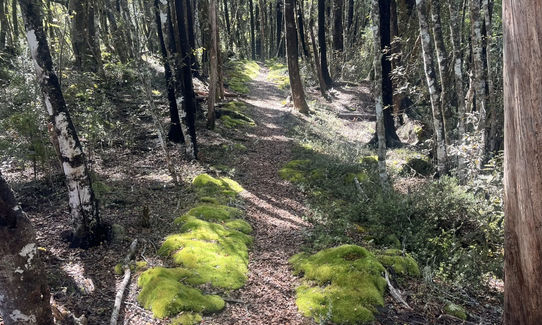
x,y
380,128
301,28
455,35
83,35
184,61
432,84
479,75
203,9
522,22
87,228
322,42
442,63
191,38
392,140
24,294
338,8
175,133
263,20
3,24
252,30
227,19
214,66
298,94
320,76
15,21
280,24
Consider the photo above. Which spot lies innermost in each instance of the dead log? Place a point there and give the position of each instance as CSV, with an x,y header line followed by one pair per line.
x,y
124,283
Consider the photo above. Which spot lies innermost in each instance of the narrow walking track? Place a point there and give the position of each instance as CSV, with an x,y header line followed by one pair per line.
x,y
274,208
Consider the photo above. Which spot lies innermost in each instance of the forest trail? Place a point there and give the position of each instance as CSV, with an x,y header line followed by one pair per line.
x,y
274,208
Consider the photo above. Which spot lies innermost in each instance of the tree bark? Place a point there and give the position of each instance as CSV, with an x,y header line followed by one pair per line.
x,y
522,22
83,35
263,20
320,76
377,63
298,94
392,139
24,294
432,84
87,228
3,24
338,8
211,116
280,23
15,21
175,133
322,42
252,30
442,64
185,65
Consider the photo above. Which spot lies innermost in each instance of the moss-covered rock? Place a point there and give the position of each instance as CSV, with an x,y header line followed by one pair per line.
x,y
118,269
418,166
343,284
220,189
296,171
214,212
164,294
401,264
456,311
232,122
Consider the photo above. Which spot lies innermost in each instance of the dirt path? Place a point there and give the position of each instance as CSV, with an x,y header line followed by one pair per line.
x,y
274,208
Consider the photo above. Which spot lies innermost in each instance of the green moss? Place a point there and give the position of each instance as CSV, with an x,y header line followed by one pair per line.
x,y
141,265
370,162
164,294
214,212
236,120
295,171
342,283
401,265
220,188
214,253
187,319
239,73
118,269
278,73
240,225
456,310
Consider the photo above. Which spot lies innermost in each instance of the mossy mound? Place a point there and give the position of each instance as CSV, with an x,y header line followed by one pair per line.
x,y
418,166
456,311
210,248
164,294
221,189
296,171
187,319
239,73
343,284
214,212
401,264
278,73
233,120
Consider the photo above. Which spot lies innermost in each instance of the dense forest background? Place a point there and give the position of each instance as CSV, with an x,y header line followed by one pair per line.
x,y
375,127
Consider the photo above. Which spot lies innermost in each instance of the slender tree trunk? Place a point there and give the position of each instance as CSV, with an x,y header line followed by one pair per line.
x,y
380,128
458,75
186,74
263,20
392,139
280,24
442,64
191,38
87,228
227,19
298,94
214,66
522,20
492,125
3,24
15,21
24,294
432,84
205,36
322,42
301,28
320,76
479,75
175,133
119,42
338,8
83,35
252,30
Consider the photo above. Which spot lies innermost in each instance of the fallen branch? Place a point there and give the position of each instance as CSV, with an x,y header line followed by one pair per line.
x,y
124,283
394,292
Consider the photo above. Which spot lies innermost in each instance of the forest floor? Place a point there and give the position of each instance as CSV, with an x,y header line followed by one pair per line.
x,y
133,177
